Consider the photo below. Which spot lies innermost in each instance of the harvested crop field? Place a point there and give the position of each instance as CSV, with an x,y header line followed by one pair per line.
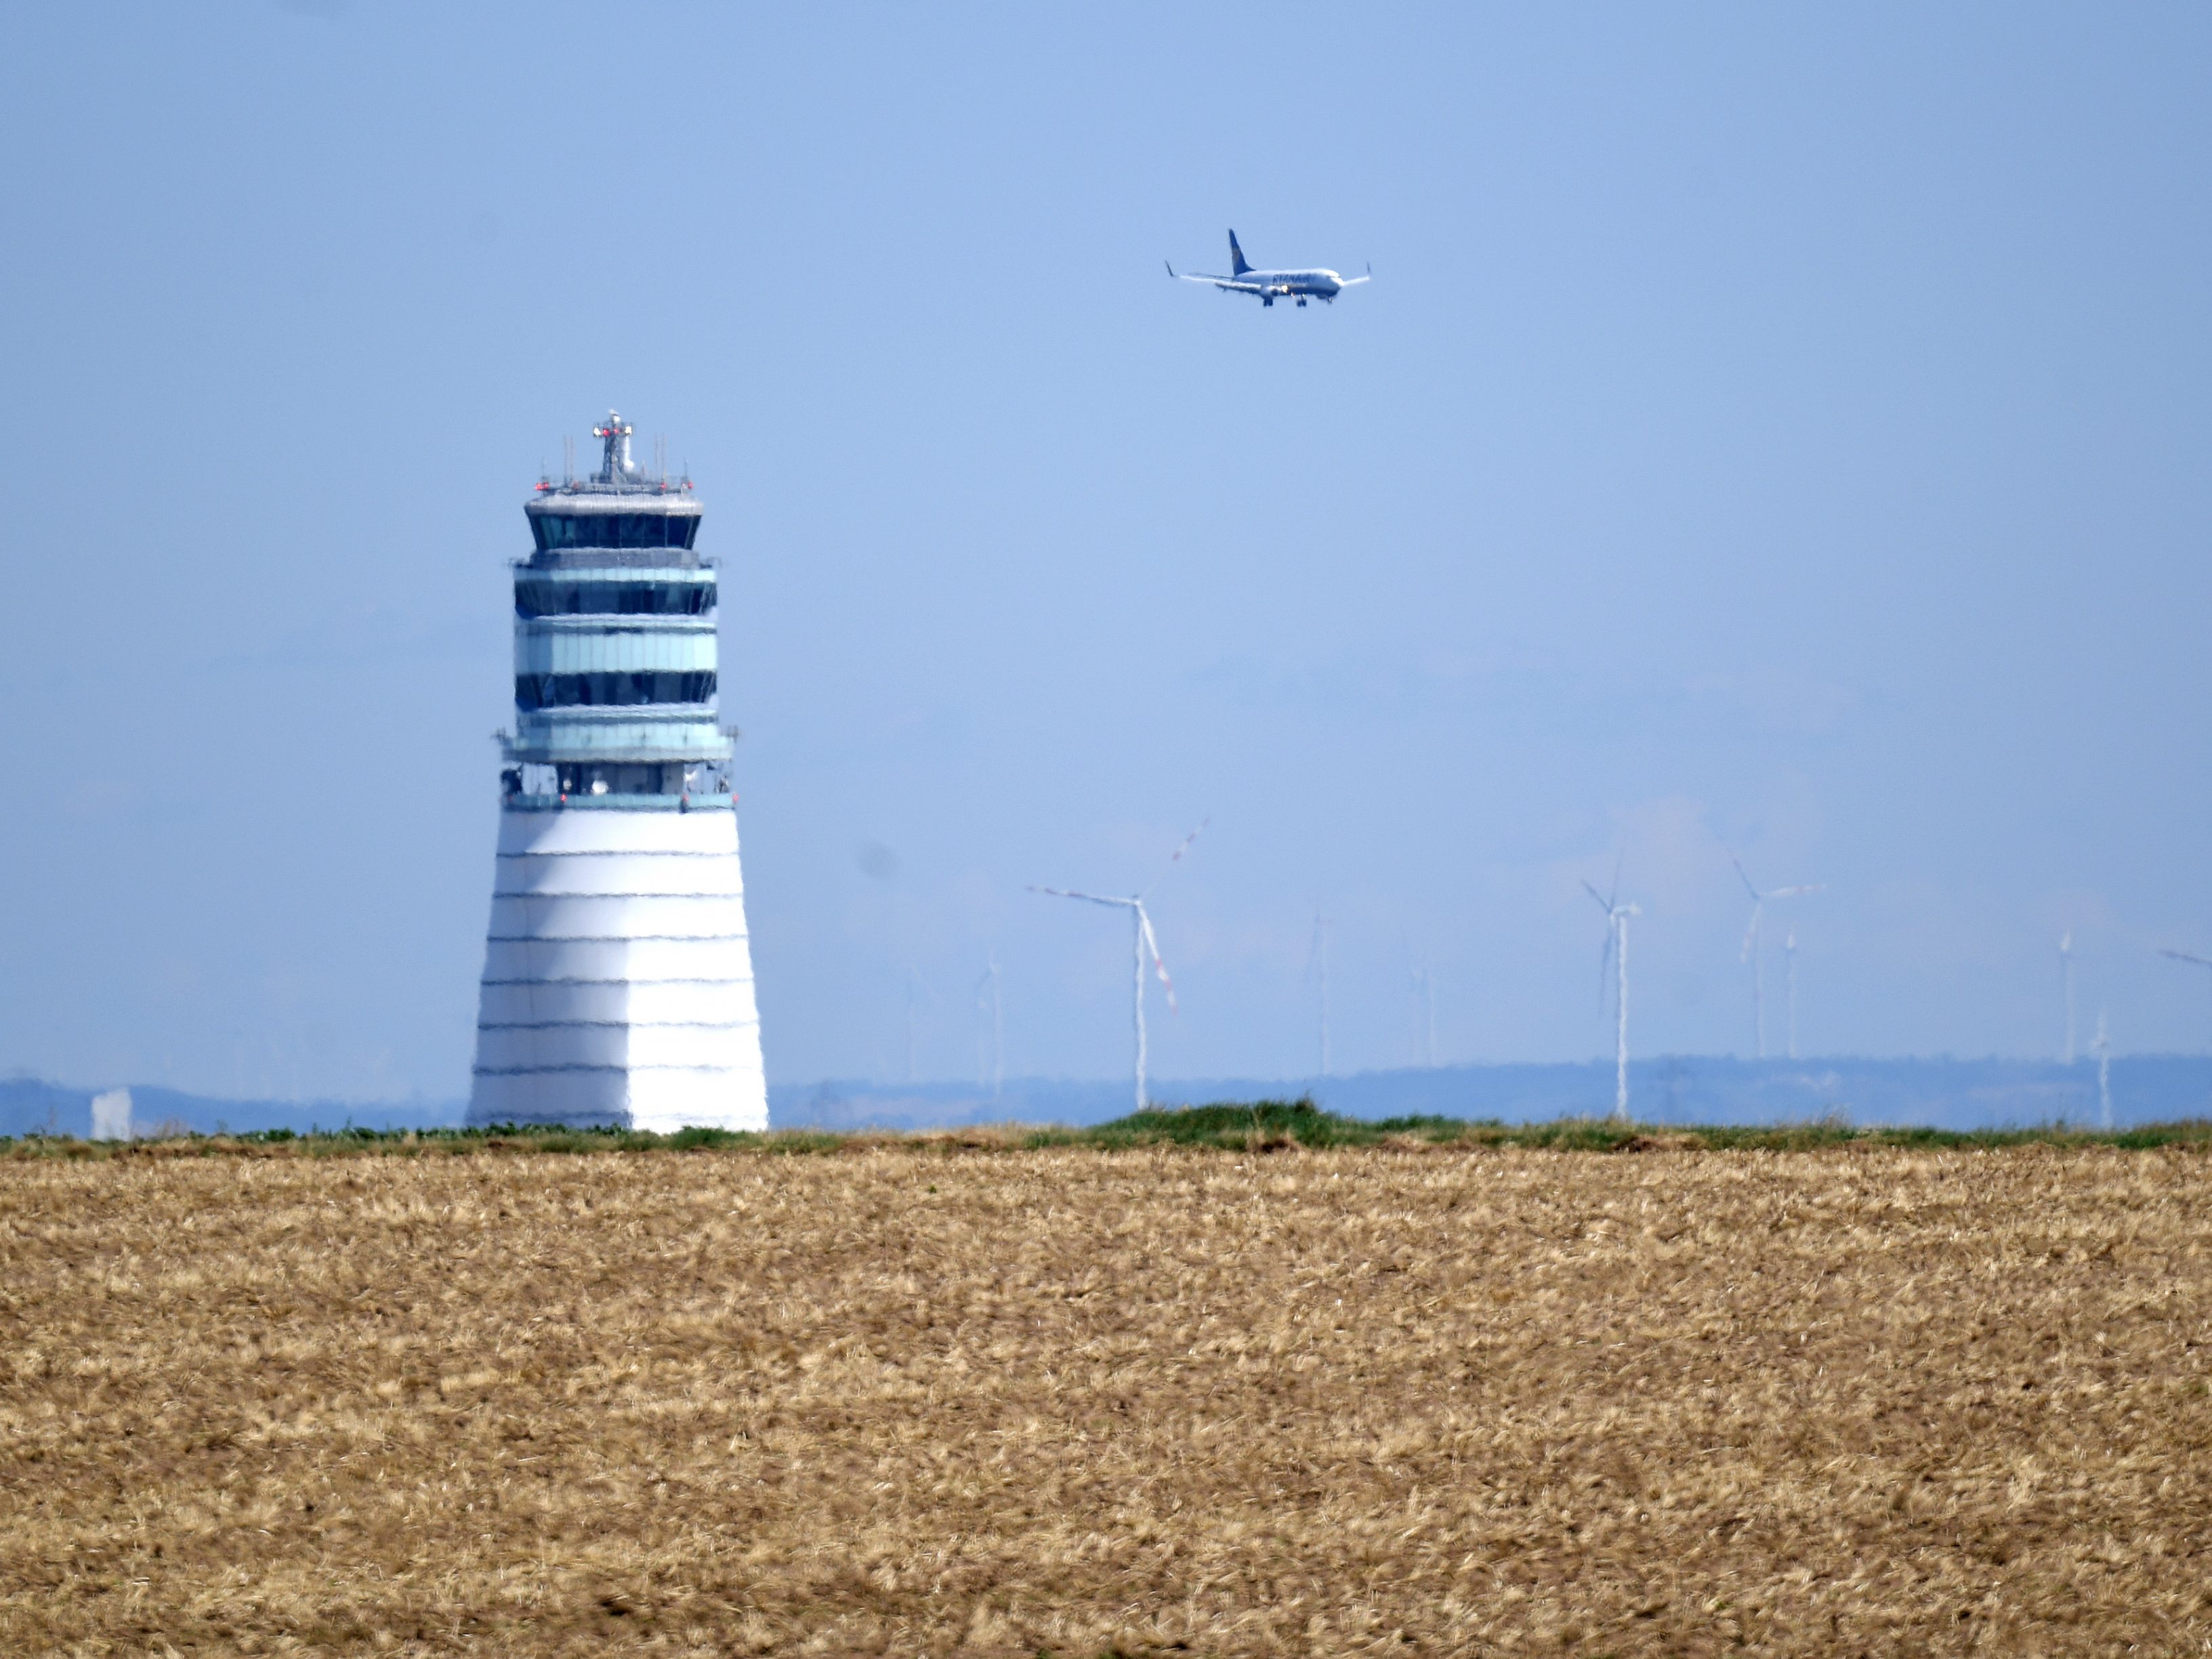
x,y
918,1399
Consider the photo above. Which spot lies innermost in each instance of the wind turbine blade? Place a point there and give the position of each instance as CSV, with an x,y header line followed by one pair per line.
x,y
1602,903
1799,892
1605,960
1614,892
1176,857
2187,955
1153,945
1751,933
1755,894
1066,892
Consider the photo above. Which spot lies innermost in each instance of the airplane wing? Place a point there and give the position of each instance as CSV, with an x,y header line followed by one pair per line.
x,y
1229,282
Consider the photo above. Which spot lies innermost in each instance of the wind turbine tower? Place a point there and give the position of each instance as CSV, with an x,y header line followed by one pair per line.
x,y
913,1018
1425,1010
1754,952
1143,944
990,1032
2188,957
1317,966
2066,976
1616,954
2104,1073
1790,960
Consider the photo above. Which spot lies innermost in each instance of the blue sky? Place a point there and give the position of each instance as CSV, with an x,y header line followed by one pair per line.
x,y
1769,428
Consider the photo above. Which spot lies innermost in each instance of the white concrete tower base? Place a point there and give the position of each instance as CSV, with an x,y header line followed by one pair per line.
x,y
618,980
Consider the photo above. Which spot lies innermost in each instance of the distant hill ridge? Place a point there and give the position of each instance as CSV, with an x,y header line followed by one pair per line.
x,y
1939,1092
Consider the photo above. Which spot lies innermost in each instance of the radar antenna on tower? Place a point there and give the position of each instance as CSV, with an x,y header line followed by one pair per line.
x,y
614,463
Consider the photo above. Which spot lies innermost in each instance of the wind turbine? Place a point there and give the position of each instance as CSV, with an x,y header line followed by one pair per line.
x,y
2066,974
2104,1073
1616,954
1143,944
913,989
1317,966
2186,956
1752,940
1789,959
1425,1005
993,1070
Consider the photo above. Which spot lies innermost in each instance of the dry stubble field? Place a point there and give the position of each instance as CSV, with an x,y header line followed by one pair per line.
x,y
917,1399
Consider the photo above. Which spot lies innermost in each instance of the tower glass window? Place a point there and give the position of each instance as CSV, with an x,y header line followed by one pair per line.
x,y
556,531
549,596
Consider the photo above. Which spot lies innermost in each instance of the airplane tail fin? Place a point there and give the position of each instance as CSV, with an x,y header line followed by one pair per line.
x,y
1237,265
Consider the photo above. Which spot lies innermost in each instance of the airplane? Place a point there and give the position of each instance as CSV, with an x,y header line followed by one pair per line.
x,y
1273,285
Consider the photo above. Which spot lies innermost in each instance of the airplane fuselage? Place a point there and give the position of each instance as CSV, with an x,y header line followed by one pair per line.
x,y
1298,285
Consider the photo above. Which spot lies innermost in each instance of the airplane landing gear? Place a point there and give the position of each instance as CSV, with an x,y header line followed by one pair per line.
x,y
1268,300
1302,304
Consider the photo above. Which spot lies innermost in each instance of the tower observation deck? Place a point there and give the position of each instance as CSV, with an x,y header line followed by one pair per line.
x,y
618,983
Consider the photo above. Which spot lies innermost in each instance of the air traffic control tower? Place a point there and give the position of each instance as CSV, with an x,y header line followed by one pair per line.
x,y
617,981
